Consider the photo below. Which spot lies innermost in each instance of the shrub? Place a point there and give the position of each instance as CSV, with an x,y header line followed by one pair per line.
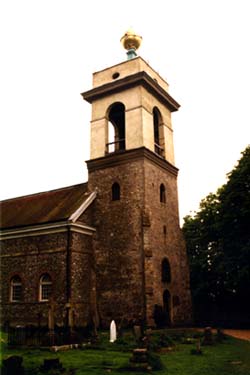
x,y
156,341
154,361
196,351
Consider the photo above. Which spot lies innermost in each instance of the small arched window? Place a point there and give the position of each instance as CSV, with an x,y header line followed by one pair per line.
x,y
16,289
45,287
165,271
162,194
115,192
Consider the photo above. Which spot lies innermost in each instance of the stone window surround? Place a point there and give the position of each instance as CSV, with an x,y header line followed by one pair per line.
x,y
45,287
16,287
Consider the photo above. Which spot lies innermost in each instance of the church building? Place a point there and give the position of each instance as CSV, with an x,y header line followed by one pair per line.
x,y
110,248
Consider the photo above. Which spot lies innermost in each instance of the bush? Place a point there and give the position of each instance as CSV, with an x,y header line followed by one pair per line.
x,y
196,351
154,361
157,341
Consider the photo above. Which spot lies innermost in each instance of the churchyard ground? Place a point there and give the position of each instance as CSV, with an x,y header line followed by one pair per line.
x,y
229,356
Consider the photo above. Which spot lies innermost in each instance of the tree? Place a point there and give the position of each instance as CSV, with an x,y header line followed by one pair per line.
x,y
218,246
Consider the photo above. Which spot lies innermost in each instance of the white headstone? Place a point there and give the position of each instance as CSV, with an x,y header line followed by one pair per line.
x,y
112,331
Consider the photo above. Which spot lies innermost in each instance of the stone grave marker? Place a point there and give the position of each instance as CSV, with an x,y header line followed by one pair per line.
x,y
13,365
112,331
208,337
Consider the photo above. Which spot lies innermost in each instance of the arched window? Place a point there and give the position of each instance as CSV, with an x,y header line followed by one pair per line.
x,y
158,132
116,128
45,287
165,271
115,192
162,193
16,289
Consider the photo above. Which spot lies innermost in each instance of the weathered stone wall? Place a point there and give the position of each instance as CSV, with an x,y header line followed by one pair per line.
x,y
82,276
134,234
30,257
118,241
162,239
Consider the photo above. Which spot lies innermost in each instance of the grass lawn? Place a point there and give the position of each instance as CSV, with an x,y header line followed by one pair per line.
x,y
230,357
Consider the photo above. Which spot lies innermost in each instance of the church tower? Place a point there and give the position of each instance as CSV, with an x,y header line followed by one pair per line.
x,y
140,257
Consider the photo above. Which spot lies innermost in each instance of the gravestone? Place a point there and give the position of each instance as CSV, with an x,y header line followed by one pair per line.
x,y
137,333
112,331
51,364
139,360
13,366
208,337
220,336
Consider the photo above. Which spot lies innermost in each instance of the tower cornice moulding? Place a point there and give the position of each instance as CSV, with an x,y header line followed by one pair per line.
x,y
140,78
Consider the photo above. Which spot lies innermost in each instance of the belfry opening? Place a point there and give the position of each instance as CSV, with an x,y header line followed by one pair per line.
x,y
116,128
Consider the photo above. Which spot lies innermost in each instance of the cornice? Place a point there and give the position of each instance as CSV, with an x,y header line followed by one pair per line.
x,y
140,78
43,229
124,157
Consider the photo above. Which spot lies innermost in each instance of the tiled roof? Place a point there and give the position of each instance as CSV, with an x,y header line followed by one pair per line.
x,y
47,207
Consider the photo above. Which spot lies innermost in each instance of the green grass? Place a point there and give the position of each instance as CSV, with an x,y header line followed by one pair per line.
x,y
231,357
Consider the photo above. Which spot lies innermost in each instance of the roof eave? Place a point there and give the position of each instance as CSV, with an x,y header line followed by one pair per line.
x,y
48,228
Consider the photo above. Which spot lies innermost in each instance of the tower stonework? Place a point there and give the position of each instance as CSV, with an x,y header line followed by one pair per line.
x,y
141,263
109,248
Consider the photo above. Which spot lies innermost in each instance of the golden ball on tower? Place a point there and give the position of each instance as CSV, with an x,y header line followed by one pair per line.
x,y
130,40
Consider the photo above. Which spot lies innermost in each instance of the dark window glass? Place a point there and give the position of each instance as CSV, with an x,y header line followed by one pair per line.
x,y
16,289
162,194
115,192
165,271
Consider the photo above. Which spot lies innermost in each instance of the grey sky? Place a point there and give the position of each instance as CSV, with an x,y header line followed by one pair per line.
x,y
49,50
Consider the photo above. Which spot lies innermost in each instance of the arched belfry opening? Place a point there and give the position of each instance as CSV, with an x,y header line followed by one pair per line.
x,y
158,132
116,128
